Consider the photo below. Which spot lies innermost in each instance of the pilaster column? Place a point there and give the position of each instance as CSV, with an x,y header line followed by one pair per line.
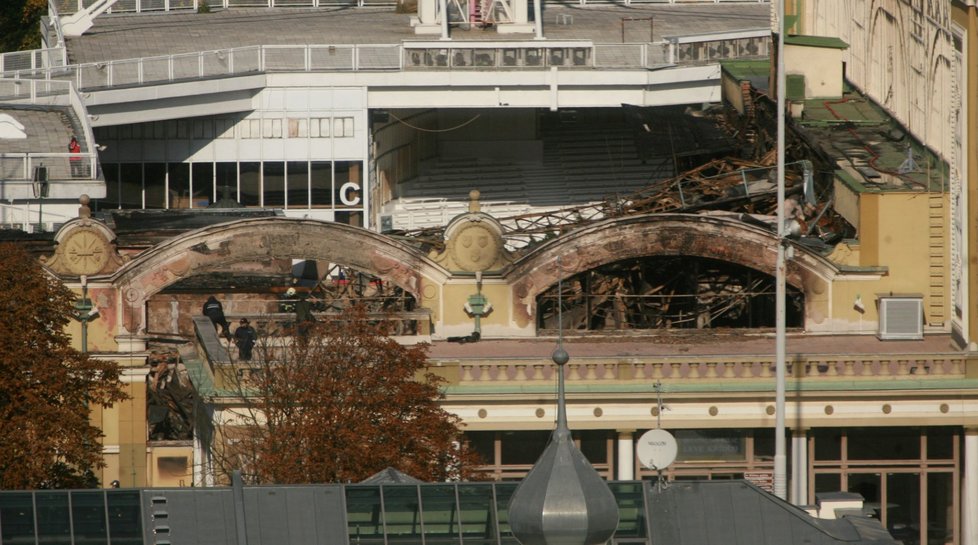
x,y
969,493
799,467
626,455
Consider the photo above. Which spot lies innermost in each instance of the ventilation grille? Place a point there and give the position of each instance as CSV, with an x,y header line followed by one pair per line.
x,y
901,317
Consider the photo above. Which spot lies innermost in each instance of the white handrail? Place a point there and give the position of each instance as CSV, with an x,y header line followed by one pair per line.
x,y
373,57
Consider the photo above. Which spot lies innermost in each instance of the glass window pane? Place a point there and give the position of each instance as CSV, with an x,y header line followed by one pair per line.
x,y
125,517
363,515
438,510
884,443
88,517
298,184
131,185
348,191
702,445
903,506
274,184
203,184
484,444
594,445
349,218
112,190
17,516
504,491
631,509
940,443
940,508
827,482
828,444
401,515
764,444
154,176
249,188
321,183
476,514
523,447
53,519
227,181
868,486
179,184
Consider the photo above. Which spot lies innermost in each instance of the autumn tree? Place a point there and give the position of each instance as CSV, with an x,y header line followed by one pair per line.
x,y
20,22
47,388
340,404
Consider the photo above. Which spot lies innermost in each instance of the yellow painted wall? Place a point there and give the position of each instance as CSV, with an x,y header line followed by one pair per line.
x,y
894,232
132,437
171,465
821,66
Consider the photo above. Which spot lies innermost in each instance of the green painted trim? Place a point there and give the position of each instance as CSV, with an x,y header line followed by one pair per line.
x,y
721,387
830,42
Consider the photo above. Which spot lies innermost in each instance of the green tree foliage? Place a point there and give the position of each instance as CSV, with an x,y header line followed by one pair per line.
x,y
341,404
46,386
20,24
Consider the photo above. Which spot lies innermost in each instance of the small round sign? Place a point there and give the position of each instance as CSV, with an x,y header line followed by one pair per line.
x,y
656,449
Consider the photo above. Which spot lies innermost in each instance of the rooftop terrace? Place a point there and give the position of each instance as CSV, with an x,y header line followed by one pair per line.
x,y
141,35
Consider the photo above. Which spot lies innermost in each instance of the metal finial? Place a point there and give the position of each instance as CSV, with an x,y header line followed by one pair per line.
x,y
562,500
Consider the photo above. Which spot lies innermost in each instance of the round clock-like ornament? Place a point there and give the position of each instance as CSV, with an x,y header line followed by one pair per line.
x,y
86,251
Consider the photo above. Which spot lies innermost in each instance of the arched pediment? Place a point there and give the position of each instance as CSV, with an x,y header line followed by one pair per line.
x,y
724,238
244,245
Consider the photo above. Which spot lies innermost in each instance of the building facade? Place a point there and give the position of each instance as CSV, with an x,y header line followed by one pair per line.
x,y
328,153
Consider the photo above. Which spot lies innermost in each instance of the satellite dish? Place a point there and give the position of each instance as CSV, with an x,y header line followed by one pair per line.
x,y
657,449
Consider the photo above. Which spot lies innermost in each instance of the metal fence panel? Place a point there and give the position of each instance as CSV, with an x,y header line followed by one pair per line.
x,y
378,57
156,69
285,58
125,72
152,5
339,57
13,167
618,55
186,66
215,63
93,75
122,6
246,60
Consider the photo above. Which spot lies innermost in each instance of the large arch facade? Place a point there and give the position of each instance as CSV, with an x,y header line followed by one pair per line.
x,y
248,245
717,237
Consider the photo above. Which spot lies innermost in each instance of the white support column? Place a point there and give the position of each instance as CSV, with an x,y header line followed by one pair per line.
x,y
969,495
626,455
799,467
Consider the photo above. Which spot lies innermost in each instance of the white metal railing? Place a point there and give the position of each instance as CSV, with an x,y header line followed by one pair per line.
x,y
20,167
35,91
30,60
460,55
138,6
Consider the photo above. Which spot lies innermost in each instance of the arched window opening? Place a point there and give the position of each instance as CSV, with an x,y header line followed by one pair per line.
x,y
667,292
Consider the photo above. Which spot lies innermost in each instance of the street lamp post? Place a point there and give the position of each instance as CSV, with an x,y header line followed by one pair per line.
x,y
84,312
40,184
780,458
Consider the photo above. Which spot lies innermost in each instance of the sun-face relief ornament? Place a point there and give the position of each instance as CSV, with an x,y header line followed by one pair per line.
x,y
475,247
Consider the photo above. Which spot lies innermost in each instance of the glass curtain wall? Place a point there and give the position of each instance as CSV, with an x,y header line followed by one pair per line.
x,y
292,185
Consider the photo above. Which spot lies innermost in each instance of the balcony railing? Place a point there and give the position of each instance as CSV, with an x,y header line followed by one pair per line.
x,y
461,55
21,167
843,367
138,6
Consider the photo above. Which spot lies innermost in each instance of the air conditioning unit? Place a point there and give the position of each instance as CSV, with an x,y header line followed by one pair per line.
x,y
901,317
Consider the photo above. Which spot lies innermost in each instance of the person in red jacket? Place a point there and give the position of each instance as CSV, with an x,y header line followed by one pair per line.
x,y
74,148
